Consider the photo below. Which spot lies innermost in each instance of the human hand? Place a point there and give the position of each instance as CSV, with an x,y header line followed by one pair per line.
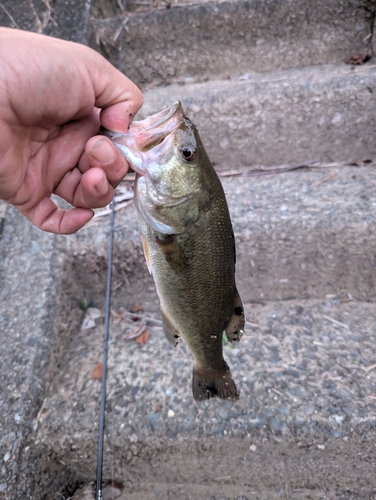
x,y
54,95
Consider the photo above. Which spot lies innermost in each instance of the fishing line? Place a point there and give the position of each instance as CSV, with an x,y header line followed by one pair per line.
x,y
98,491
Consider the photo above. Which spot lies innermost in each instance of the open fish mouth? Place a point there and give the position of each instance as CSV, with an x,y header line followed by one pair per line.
x,y
154,129
146,134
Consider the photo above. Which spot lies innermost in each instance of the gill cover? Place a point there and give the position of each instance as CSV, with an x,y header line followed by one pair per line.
x,y
163,150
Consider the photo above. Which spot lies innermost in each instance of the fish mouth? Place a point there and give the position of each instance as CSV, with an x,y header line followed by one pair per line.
x,y
144,135
154,129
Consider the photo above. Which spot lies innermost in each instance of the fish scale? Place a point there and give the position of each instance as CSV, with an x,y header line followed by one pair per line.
x,y
188,243
209,276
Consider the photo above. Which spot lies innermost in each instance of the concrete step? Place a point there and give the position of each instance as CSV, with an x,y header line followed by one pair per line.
x,y
322,112
205,40
193,491
266,84
215,40
305,366
306,235
30,263
304,420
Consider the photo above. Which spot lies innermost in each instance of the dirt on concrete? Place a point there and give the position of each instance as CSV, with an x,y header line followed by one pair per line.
x,y
304,425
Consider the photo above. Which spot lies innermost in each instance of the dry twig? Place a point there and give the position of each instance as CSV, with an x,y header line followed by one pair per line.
x,y
328,178
369,368
274,169
335,321
9,15
136,331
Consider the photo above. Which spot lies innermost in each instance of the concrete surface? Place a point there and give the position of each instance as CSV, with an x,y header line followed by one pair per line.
x,y
278,91
304,420
321,112
205,40
305,366
66,19
216,40
27,325
306,234
35,322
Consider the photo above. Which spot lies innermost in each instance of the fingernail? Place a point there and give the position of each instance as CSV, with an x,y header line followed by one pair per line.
x,y
103,152
102,187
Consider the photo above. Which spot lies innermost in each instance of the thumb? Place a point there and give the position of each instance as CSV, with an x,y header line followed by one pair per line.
x,y
117,96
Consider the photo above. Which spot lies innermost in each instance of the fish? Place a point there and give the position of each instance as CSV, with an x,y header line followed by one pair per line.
x,y
188,242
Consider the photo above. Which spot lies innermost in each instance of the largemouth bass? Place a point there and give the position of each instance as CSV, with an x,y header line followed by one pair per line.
x,y
188,243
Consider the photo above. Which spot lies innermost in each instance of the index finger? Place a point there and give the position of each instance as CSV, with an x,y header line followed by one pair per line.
x,y
117,96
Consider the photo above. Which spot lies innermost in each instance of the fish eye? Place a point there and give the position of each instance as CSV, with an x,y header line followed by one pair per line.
x,y
188,153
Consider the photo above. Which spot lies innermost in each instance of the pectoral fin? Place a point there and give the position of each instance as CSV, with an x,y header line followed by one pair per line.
x,y
173,253
170,331
235,327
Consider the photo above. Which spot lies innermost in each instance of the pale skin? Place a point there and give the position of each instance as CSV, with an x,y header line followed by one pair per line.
x,y
54,95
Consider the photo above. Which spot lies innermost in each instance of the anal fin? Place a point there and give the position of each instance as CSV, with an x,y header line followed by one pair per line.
x,y
235,328
170,331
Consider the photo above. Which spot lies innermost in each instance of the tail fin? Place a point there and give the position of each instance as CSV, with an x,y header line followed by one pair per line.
x,y
208,383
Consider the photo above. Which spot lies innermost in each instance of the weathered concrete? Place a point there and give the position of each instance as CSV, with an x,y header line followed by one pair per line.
x,y
207,40
28,284
39,309
306,234
299,234
302,366
373,39
323,112
304,419
303,427
210,41
66,19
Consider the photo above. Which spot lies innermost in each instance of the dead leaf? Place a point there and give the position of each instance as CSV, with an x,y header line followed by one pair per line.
x,y
115,484
117,315
97,372
143,338
93,312
136,308
135,331
87,324
360,58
